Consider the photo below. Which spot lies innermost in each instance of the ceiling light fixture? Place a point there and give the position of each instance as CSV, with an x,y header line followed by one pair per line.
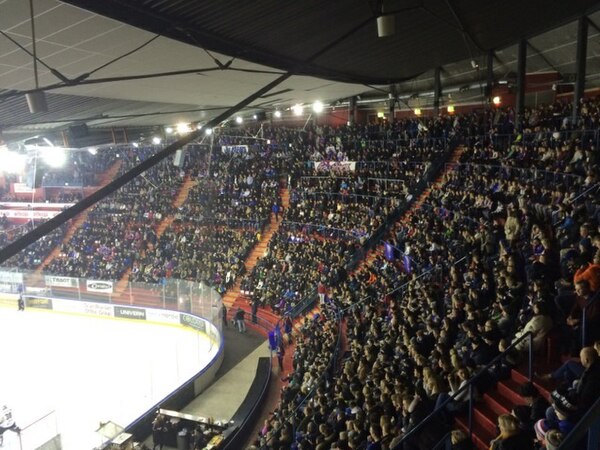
x,y
318,107
239,119
298,109
156,140
497,100
183,128
277,113
417,111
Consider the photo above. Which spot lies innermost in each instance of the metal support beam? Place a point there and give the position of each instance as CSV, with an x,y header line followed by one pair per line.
x,y
580,64
352,111
521,68
490,76
437,90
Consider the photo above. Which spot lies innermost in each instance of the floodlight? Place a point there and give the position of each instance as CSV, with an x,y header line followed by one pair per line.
x,y
169,130
54,156
298,109
277,113
93,150
318,106
417,111
208,131
239,119
450,109
135,144
183,128
496,100
156,140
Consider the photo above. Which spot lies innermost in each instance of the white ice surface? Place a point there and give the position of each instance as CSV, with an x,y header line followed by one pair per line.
x,y
88,370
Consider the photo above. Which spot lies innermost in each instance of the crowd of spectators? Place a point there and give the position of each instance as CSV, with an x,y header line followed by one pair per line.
x,y
34,254
492,255
496,251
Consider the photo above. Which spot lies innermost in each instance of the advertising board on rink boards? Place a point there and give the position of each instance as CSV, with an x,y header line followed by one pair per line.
x,y
125,312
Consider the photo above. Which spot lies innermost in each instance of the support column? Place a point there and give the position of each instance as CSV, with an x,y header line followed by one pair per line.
x,y
352,111
489,86
521,68
580,64
437,91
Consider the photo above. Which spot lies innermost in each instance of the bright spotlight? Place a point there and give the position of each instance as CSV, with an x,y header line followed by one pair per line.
x,y
496,100
135,144
208,131
156,140
255,117
277,113
450,109
239,119
54,157
169,130
12,162
93,151
298,109
417,111
183,128
380,114
318,107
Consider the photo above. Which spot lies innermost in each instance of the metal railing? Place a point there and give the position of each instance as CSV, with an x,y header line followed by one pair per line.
x,y
551,138
584,324
526,174
588,425
469,388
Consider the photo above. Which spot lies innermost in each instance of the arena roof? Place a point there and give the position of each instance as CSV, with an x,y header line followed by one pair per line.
x,y
223,51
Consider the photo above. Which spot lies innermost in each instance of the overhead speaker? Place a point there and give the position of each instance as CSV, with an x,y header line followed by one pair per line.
x,y
386,25
78,131
261,116
36,101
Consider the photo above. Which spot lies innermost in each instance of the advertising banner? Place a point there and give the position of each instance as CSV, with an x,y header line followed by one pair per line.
x,y
126,312
78,307
164,316
56,281
38,302
234,149
192,322
22,188
24,214
105,287
335,166
11,277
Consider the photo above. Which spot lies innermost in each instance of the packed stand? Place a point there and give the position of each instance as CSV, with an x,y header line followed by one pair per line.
x,y
489,258
122,226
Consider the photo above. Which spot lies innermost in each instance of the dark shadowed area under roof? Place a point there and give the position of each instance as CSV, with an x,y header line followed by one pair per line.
x,y
287,34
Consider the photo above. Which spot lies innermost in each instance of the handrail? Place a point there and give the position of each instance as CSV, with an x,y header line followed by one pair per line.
x,y
594,299
351,233
590,424
595,186
520,169
469,387
314,193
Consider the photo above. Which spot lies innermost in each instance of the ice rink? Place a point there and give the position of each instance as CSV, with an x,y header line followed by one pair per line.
x,y
84,370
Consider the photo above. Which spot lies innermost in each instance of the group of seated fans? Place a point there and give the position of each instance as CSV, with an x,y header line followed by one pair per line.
x,y
493,253
508,242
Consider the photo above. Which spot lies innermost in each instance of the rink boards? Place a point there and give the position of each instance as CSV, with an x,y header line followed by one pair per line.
x,y
203,334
